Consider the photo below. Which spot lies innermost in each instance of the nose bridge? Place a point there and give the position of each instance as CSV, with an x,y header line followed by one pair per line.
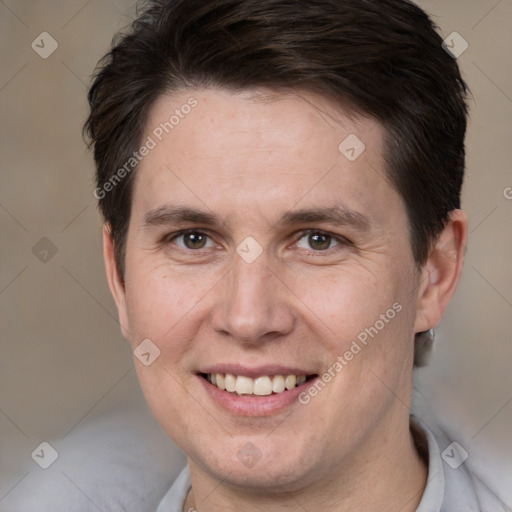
x,y
253,305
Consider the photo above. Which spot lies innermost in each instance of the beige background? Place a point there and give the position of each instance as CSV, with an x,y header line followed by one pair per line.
x,y
63,357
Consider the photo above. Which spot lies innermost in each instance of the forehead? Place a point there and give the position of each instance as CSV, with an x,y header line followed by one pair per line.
x,y
223,123
259,151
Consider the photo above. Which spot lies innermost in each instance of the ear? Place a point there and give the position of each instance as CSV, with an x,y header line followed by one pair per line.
x,y
114,281
441,273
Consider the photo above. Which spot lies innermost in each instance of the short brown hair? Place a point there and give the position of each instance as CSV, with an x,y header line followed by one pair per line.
x,y
381,58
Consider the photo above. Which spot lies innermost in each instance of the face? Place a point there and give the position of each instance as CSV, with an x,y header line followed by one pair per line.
x,y
259,248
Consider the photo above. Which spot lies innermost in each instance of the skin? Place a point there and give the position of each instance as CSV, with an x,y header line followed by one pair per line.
x,y
250,157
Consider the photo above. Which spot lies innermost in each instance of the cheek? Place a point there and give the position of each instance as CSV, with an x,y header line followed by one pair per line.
x,y
345,302
362,320
160,302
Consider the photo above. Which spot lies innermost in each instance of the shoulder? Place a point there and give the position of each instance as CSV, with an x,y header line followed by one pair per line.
x,y
463,489
175,497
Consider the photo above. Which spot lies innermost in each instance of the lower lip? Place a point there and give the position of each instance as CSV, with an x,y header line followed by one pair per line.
x,y
252,405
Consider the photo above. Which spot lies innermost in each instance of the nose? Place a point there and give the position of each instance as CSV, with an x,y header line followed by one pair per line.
x,y
253,305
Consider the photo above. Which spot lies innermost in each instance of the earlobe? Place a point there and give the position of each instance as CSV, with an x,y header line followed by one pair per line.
x,y
115,284
441,272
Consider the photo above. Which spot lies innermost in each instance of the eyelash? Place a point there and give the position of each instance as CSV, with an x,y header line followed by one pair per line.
x,y
342,241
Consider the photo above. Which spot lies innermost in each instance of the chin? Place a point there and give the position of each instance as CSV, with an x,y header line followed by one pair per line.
x,y
259,465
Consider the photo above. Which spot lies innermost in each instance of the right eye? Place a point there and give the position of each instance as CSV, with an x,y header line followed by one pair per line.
x,y
192,240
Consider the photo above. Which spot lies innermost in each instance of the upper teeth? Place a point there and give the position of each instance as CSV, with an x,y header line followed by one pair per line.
x,y
262,386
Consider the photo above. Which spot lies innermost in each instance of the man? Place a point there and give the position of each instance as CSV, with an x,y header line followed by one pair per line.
x,y
280,182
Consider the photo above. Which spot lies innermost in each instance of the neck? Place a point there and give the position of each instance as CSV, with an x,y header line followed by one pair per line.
x,y
388,474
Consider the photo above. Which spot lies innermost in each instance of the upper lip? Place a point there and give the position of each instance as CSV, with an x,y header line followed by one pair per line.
x,y
253,372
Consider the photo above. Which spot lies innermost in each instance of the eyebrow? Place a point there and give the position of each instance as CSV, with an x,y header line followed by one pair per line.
x,y
335,215
169,214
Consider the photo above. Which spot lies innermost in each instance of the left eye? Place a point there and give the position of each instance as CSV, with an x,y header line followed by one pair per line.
x,y
193,240
318,240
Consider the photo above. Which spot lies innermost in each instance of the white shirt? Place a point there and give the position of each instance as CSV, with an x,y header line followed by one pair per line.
x,y
448,489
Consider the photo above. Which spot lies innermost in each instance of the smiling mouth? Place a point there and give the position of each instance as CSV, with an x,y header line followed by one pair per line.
x,y
261,386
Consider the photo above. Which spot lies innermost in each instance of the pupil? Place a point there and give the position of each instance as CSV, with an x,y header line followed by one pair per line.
x,y
320,241
194,240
